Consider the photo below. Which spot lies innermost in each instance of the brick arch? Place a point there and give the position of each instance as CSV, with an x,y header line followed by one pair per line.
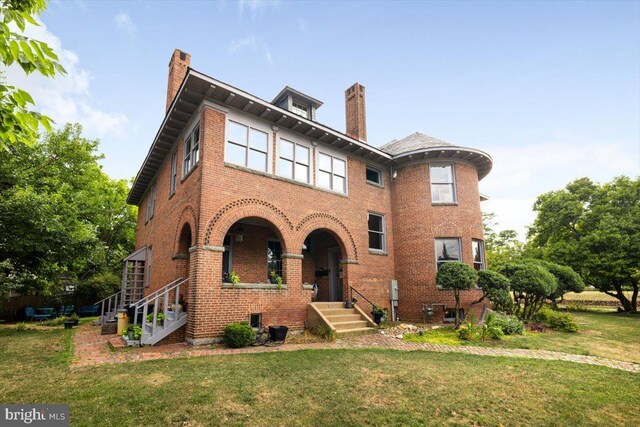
x,y
324,221
248,208
187,216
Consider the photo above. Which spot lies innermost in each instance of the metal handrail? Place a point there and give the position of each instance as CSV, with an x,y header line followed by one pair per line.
x,y
160,293
352,290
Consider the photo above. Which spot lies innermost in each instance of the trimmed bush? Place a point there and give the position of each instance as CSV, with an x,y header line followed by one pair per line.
x,y
458,277
509,325
567,279
531,284
238,335
495,287
556,320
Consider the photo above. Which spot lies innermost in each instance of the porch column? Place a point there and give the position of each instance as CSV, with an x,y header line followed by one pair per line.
x,y
292,270
205,279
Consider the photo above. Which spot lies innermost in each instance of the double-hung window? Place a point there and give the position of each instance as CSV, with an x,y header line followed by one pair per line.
x,y
332,173
174,172
247,146
191,151
293,161
448,250
151,202
443,188
478,255
377,232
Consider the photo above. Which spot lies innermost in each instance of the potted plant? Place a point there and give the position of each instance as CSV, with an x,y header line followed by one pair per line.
x,y
278,333
378,313
349,303
134,332
68,324
273,277
234,278
160,318
73,318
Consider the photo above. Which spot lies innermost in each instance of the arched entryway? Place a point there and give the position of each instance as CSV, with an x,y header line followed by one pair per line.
x,y
323,266
182,257
253,251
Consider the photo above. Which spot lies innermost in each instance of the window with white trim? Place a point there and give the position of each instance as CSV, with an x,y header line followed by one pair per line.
x,y
293,161
478,254
174,172
247,146
299,109
448,250
332,173
147,276
374,175
191,152
151,203
443,188
377,232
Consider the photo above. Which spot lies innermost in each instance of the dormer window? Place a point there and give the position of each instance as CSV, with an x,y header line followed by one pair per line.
x,y
299,109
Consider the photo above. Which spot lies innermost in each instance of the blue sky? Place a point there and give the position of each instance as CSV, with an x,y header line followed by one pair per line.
x,y
550,89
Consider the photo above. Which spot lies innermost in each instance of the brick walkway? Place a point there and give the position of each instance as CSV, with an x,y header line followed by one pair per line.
x,y
91,348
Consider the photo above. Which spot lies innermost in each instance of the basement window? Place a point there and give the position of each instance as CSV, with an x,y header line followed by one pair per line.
x,y
255,320
450,315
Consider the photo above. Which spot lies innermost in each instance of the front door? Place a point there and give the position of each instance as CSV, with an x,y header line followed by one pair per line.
x,y
335,281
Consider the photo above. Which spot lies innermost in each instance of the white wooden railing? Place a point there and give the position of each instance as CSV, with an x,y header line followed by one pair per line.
x,y
111,305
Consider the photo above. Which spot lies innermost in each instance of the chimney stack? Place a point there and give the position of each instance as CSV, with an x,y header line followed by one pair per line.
x,y
355,112
177,70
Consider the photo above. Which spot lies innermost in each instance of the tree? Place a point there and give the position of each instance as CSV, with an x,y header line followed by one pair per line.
x,y
17,122
500,247
62,219
495,288
531,284
595,229
458,277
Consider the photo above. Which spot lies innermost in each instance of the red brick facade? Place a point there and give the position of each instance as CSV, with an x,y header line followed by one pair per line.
x,y
188,229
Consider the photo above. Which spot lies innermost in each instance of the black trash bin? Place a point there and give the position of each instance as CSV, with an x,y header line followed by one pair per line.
x,y
278,333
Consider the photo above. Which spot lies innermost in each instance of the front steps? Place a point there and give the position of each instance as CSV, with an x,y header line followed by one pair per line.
x,y
345,322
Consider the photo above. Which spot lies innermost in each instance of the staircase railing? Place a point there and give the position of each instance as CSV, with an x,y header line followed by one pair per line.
x,y
161,297
111,304
352,290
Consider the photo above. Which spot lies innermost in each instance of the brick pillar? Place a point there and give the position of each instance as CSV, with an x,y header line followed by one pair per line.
x,y
292,270
205,281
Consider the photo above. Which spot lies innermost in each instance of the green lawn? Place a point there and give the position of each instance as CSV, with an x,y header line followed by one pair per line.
x,y
315,387
606,334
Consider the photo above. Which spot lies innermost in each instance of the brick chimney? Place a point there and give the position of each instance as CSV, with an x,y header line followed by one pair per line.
x,y
356,112
177,70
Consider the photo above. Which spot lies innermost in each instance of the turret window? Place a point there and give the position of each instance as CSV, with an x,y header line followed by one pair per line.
x,y
443,187
448,250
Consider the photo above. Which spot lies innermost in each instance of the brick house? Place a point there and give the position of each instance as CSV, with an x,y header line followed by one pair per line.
x,y
236,184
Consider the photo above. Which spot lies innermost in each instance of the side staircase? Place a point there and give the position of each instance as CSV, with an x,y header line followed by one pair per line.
x,y
344,322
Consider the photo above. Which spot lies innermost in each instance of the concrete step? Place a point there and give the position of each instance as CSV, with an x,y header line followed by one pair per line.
x,y
323,305
355,332
341,326
338,311
344,318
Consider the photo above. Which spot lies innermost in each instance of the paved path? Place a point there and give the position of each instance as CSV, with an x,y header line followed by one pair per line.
x,y
91,348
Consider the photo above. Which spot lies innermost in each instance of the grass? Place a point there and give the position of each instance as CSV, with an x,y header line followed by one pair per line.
x,y
591,296
313,387
605,334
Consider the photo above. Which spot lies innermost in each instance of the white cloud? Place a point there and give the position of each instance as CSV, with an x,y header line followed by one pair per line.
x,y
255,6
253,45
66,98
520,174
125,24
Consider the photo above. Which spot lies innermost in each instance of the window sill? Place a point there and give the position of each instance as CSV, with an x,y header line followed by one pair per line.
x,y
307,286
173,193
375,184
283,179
258,286
184,178
378,252
444,204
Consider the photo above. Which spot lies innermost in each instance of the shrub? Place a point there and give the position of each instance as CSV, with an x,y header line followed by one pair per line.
x,y
531,284
471,332
556,320
457,276
21,327
238,335
54,322
495,287
567,279
509,325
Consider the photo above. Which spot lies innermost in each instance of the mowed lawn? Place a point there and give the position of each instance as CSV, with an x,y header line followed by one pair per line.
x,y
315,387
601,333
